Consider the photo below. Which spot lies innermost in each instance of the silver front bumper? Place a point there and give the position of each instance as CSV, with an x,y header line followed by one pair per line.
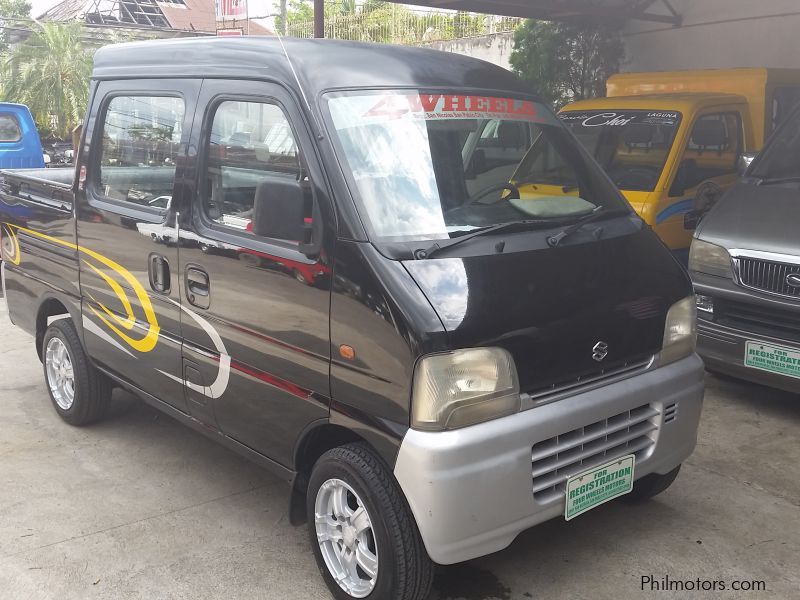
x,y
472,491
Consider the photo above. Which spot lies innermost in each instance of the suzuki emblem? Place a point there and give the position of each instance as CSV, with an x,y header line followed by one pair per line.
x,y
793,280
600,351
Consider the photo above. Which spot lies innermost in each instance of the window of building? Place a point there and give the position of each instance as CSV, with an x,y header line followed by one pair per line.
x,y
9,128
141,138
251,146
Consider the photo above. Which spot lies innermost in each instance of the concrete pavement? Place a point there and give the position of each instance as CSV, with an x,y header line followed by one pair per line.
x,y
139,506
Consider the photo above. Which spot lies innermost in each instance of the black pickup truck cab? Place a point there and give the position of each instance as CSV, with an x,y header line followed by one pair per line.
x,y
314,252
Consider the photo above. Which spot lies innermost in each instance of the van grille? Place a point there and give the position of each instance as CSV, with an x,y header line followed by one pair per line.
x,y
560,457
756,319
574,384
768,276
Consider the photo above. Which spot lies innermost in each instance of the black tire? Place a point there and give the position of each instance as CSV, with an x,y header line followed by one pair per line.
x,y
649,486
405,571
92,389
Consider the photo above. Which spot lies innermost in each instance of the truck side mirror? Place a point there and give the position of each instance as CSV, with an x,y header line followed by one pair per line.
x,y
278,209
745,160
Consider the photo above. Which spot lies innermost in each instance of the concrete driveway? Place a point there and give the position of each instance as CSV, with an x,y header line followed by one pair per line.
x,y
141,507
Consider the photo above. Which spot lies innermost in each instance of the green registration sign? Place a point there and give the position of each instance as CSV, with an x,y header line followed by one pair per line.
x,y
776,359
601,484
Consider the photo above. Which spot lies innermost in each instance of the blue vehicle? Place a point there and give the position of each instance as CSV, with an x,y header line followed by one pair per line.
x,y
20,146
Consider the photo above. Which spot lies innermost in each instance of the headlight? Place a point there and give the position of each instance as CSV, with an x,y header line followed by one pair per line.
x,y
680,331
464,387
710,259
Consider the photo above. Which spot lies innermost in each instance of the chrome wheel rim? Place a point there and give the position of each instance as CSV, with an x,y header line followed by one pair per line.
x,y
60,374
346,538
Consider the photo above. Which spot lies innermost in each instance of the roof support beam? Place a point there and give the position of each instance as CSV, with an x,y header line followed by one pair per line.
x,y
319,18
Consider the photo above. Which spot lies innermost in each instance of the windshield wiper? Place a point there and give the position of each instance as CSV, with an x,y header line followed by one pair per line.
x,y
777,180
424,253
556,239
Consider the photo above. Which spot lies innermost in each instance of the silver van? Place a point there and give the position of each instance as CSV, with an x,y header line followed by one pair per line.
x,y
745,265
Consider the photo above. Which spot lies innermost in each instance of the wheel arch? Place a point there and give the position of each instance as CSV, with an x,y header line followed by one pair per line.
x,y
313,443
51,306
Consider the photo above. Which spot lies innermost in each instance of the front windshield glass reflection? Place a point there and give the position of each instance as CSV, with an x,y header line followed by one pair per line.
x,y
432,166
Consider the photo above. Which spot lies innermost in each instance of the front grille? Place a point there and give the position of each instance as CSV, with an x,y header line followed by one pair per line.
x,y
768,276
557,459
601,374
769,321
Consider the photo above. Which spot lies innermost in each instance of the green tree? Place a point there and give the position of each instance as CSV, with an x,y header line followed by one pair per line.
x,y
10,12
50,73
567,61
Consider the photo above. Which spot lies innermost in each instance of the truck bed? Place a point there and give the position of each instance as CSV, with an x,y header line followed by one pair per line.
x,y
49,187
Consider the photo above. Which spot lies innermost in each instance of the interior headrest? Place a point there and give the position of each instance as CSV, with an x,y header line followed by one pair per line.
x,y
638,134
709,133
510,134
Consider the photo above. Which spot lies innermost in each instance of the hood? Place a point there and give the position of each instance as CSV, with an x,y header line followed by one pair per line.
x,y
550,308
752,217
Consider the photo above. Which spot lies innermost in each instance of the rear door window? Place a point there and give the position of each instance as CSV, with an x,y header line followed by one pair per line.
x,y
140,143
10,130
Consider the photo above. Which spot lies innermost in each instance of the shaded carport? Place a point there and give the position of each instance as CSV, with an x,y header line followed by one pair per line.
x,y
657,11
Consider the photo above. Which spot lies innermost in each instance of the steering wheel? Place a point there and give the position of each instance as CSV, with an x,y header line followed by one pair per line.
x,y
494,188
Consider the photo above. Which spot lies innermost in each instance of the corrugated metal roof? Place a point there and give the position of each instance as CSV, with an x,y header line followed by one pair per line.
x,y
187,15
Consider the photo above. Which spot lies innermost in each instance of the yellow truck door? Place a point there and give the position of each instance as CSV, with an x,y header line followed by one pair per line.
x,y
704,165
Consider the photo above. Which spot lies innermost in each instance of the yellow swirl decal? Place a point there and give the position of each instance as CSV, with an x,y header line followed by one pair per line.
x,y
110,319
10,246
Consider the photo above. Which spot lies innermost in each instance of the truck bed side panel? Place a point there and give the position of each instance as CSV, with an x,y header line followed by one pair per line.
x,y
38,244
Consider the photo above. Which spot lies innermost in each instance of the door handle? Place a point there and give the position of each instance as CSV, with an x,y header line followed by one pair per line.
x,y
198,287
158,270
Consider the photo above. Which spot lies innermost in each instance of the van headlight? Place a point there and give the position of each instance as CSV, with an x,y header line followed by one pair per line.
x,y
710,259
463,387
680,331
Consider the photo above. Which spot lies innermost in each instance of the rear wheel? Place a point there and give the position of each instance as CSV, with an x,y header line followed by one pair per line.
x,y
364,537
650,485
80,393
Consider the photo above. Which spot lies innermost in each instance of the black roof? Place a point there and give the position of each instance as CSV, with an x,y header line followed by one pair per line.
x,y
320,64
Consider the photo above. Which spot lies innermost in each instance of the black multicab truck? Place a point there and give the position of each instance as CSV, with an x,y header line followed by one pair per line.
x,y
387,274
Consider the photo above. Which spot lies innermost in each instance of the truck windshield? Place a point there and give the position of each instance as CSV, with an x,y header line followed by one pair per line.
x,y
632,146
438,165
780,157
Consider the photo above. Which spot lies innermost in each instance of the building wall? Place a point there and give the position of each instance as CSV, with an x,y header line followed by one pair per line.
x,y
715,34
718,34
495,47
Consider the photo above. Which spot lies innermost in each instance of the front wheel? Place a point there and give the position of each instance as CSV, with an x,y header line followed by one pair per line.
x,y
80,393
364,537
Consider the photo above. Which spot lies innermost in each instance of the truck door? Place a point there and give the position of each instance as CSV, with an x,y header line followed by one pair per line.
x,y
705,170
130,188
256,322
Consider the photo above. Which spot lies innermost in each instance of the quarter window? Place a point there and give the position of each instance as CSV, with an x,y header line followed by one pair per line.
x,y
140,146
252,148
9,128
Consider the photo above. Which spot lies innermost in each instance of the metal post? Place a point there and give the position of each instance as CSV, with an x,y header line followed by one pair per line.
x,y
319,18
